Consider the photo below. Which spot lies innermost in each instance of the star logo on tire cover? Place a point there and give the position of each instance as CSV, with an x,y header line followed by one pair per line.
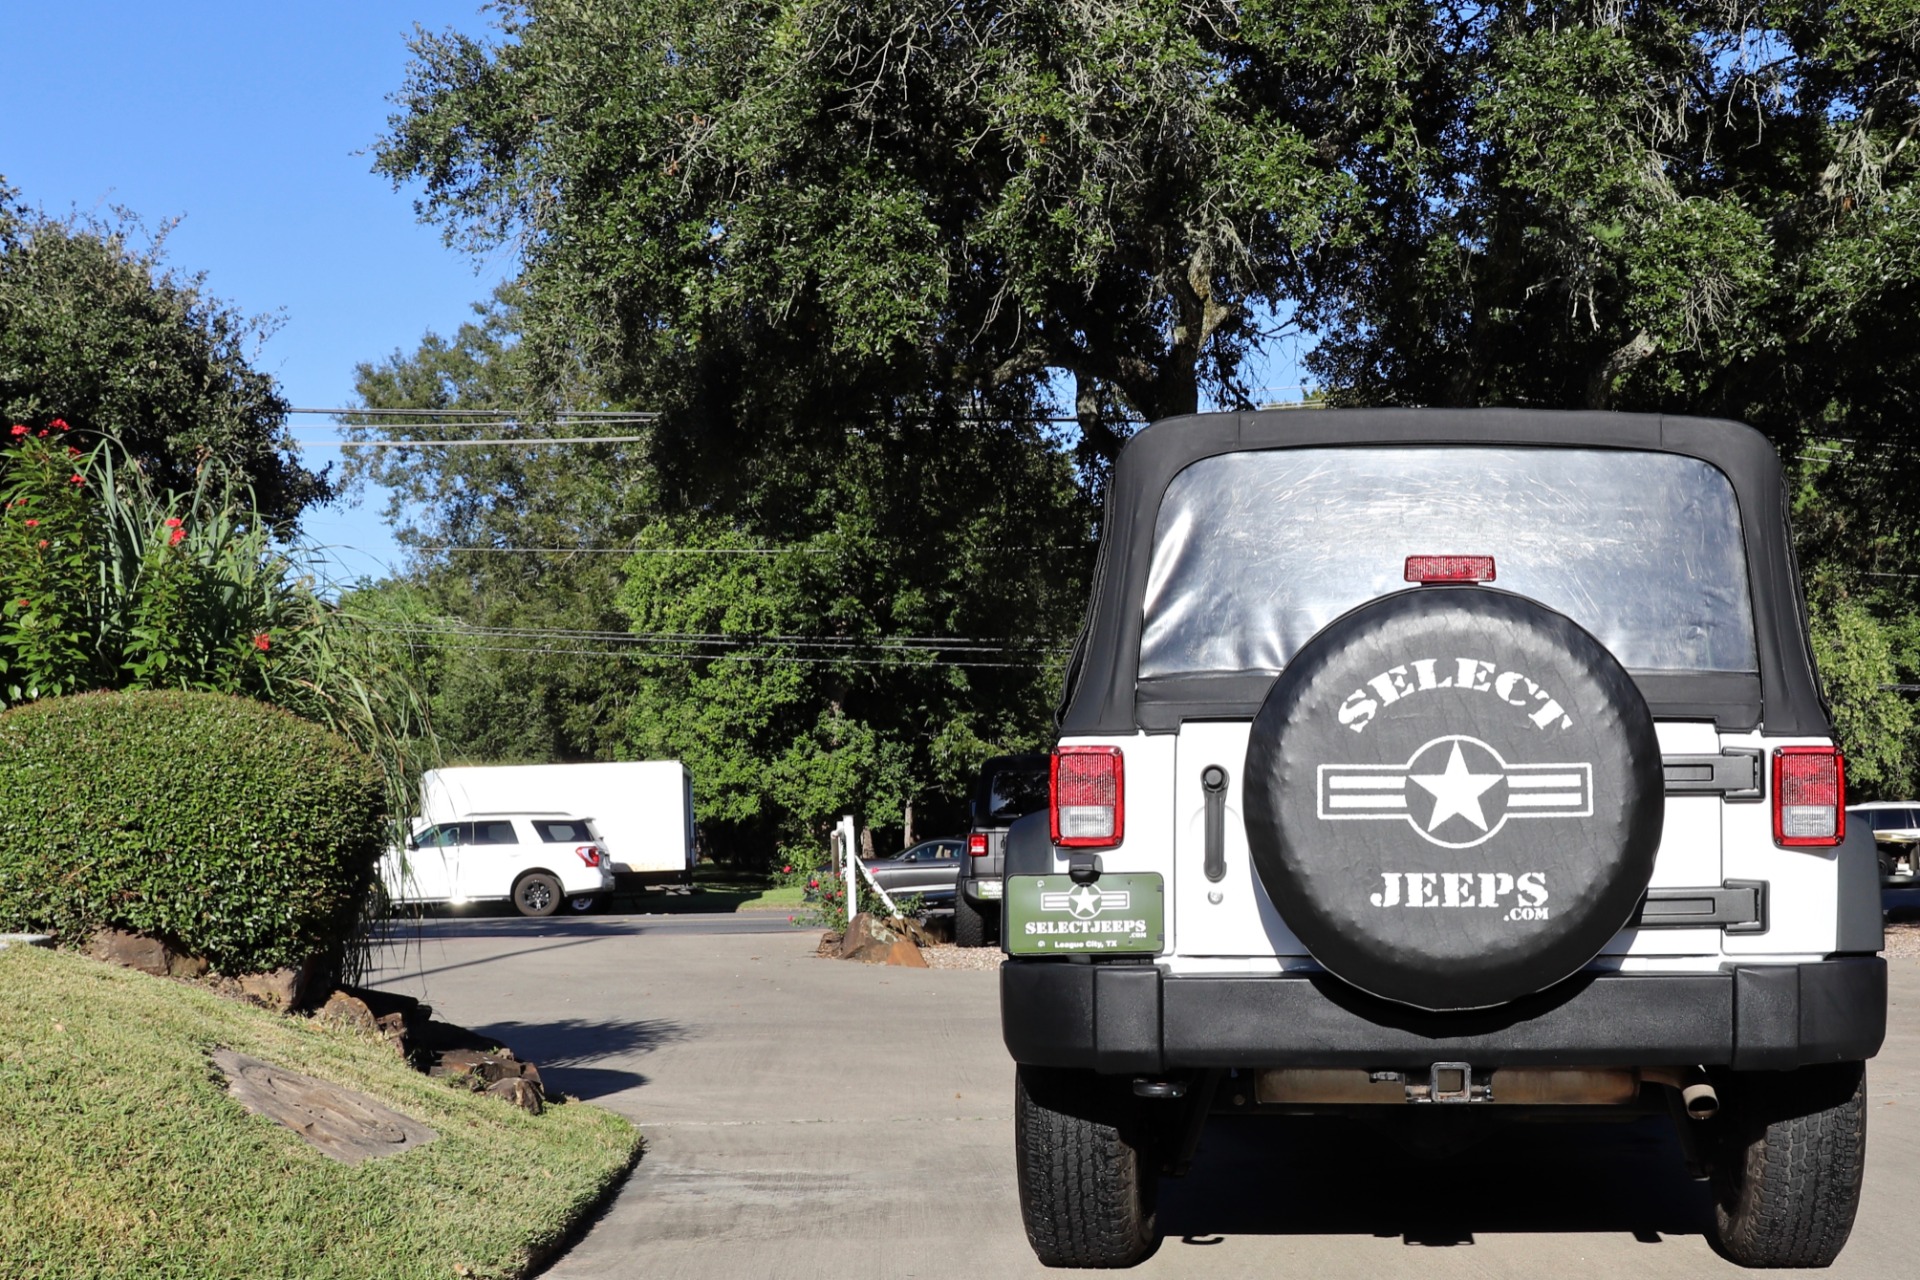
x,y
1455,791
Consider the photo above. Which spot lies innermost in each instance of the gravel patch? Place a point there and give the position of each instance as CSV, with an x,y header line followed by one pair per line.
x,y
948,956
1903,938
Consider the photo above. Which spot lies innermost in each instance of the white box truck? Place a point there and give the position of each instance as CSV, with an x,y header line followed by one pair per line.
x,y
643,809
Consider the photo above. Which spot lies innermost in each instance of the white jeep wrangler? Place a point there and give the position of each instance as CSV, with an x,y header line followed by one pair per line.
x,y
1433,758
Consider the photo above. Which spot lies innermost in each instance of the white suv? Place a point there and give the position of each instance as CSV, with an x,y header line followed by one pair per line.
x,y
538,861
1467,763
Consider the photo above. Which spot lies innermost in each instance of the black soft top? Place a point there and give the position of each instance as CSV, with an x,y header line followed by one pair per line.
x,y
1105,696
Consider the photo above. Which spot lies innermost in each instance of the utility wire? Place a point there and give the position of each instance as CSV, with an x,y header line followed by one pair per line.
x,y
507,415
514,442
648,656
714,639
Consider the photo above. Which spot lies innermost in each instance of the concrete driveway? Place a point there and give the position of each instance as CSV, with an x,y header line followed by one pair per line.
x,y
811,1118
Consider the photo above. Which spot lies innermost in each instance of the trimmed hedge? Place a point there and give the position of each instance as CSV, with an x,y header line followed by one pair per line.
x,y
235,830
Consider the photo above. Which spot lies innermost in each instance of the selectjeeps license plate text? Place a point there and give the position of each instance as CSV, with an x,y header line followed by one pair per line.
x,y
1114,913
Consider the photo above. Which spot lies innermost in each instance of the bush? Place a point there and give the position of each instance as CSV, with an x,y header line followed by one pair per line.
x,y
235,830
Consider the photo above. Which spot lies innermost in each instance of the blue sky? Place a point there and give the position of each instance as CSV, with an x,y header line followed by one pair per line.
x,y
250,124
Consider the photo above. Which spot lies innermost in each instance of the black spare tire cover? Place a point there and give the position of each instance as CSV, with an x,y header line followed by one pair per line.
x,y
1454,797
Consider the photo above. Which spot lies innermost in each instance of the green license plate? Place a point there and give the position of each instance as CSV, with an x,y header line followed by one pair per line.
x,y
1050,915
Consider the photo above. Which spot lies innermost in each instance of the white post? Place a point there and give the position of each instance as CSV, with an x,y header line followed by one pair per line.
x,y
849,841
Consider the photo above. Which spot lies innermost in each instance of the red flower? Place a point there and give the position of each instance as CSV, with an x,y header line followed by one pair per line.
x,y
787,870
179,535
23,604
42,433
263,642
72,452
43,544
19,429
18,502
60,424
33,524
76,479
174,522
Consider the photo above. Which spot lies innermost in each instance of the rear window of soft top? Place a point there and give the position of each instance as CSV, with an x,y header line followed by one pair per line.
x,y
1254,553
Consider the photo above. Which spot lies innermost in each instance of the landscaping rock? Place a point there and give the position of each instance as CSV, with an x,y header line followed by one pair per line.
x,y
903,952
191,968
283,989
521,1093
349,1013
131,951
393,1029
862,932
873,941
401,1021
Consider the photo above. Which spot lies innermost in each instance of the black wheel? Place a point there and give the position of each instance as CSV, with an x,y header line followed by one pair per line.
x,y
536,894
583,903
1087,1176
969,926
1786,1179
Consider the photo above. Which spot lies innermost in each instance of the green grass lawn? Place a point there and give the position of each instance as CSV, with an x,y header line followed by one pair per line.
x,y
122,1156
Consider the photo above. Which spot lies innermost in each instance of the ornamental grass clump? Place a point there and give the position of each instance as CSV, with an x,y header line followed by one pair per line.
x,y
235,830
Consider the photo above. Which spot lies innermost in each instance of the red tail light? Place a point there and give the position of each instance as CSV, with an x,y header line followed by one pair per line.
x,y
1809,797
588,854
1089,797
1449,568
977,845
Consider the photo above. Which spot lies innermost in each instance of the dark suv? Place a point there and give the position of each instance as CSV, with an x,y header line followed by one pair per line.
x,y
1009,787
1421,763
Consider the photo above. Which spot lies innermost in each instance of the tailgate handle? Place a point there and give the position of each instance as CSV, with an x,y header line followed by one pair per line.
x,y
1735,773
1213,781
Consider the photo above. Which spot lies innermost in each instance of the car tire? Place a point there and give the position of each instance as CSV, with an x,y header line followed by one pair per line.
x,y
1786,1179
536,894
1088,1181
969,925
582,904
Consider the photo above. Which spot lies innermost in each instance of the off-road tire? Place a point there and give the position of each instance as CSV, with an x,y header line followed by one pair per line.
x,y
1087,1174
969,925
1787,1174
536,894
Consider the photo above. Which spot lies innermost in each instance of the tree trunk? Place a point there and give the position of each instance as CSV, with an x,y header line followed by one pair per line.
x,y
906,834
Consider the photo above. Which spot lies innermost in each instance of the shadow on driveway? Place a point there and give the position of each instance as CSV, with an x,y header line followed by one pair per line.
x,y
562,1048
1288,1176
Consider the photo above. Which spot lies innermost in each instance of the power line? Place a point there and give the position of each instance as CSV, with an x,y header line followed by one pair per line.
x,y
922,644
507,415
519,442
648,656
641,551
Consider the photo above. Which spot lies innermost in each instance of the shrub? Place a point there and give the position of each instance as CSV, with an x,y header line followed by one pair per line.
x,y
236,830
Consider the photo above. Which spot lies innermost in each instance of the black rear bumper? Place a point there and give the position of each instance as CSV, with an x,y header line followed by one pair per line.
x,y
1135,1018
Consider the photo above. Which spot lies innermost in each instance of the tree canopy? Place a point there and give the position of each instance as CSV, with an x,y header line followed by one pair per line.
x,y
97,330
858,257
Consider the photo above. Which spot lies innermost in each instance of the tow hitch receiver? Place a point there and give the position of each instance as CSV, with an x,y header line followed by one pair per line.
x,y
1449,1082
